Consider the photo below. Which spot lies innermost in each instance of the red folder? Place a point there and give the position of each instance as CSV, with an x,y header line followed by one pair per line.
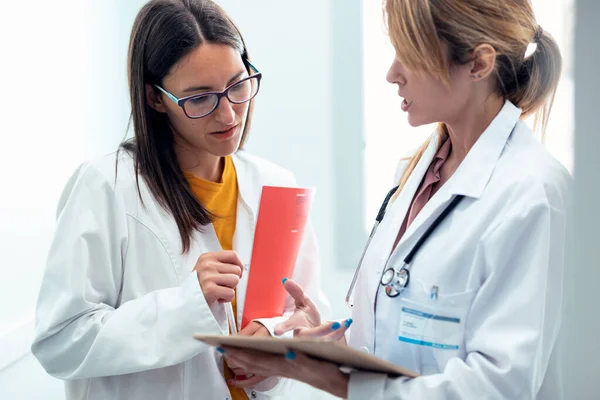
x,y
282,217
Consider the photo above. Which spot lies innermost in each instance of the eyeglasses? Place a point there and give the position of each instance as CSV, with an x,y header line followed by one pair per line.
x,y
201,105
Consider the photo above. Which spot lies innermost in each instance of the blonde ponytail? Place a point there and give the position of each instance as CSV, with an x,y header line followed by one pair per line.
x,y
537,81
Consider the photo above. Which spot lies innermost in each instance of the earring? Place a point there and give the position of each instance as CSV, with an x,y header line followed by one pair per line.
x,y
472,76
479,76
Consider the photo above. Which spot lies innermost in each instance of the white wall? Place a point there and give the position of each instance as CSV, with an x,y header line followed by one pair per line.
x,y
64,101
581,328
27,380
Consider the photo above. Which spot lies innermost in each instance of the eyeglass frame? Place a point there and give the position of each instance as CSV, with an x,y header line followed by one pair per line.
x,y
220,94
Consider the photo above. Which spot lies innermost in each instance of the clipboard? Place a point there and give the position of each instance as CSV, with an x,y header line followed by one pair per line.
x,y
342,355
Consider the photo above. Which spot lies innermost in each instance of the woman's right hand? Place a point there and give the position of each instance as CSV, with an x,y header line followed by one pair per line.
x,y
219,273
306,319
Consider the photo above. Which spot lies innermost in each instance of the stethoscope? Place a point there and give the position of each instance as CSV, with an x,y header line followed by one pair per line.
x,y
395,279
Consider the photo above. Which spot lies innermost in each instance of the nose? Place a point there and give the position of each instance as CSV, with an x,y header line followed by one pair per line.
x,y
389,76
394,74
224,112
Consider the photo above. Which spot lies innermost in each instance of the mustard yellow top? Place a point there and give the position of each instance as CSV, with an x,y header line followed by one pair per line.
x,y
220,199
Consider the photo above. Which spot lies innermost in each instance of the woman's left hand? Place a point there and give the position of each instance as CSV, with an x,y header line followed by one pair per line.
x,y
252,329
319,374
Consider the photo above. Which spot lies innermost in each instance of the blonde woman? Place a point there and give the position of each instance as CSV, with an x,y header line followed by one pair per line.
x,y
462,281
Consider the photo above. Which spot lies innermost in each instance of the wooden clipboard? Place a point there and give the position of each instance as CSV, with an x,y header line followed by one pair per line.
x,y
342,355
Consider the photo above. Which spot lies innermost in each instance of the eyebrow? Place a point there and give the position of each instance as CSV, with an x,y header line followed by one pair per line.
x,y
199,88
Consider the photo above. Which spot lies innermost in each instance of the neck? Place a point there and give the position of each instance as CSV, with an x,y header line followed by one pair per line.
x,y
200,163
466,130
209,171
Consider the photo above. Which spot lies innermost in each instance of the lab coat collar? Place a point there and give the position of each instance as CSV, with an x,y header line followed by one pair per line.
x,y
248,179
474,173
471,177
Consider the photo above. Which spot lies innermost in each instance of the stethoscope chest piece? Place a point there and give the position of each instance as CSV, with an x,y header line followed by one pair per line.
x,y
395,281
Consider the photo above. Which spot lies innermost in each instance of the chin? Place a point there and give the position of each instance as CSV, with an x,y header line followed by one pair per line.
x,y
227,148
416,120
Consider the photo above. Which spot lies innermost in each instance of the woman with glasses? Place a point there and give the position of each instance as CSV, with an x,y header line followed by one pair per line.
x,y
153,241
462,280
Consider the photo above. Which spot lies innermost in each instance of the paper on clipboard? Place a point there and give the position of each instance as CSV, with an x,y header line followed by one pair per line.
x,y
282,216
341,355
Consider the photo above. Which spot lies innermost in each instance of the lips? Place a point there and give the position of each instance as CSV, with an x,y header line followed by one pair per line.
x,y
225,134
225,131
406,104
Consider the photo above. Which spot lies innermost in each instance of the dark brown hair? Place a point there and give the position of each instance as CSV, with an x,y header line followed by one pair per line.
x,y
163,33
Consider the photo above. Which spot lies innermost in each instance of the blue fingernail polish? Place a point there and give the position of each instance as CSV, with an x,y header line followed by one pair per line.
x,y
348,322
336,326
290,355
284,280
220,350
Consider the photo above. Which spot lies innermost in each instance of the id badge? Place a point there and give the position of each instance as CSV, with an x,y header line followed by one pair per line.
x,y
430,329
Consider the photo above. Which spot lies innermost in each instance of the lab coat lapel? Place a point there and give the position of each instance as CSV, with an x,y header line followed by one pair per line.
x,y
243,238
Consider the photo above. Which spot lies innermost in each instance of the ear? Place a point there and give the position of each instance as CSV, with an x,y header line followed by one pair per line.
x,y
484,62
154,99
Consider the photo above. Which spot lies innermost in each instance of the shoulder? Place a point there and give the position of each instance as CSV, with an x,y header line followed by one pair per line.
x,y
532,164
115,171
110,175
533,171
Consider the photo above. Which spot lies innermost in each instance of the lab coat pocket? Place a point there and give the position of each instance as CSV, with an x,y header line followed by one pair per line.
x,y
435,324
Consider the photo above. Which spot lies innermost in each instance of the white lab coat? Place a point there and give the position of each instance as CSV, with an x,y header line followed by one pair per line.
x,y
498,261
119,303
